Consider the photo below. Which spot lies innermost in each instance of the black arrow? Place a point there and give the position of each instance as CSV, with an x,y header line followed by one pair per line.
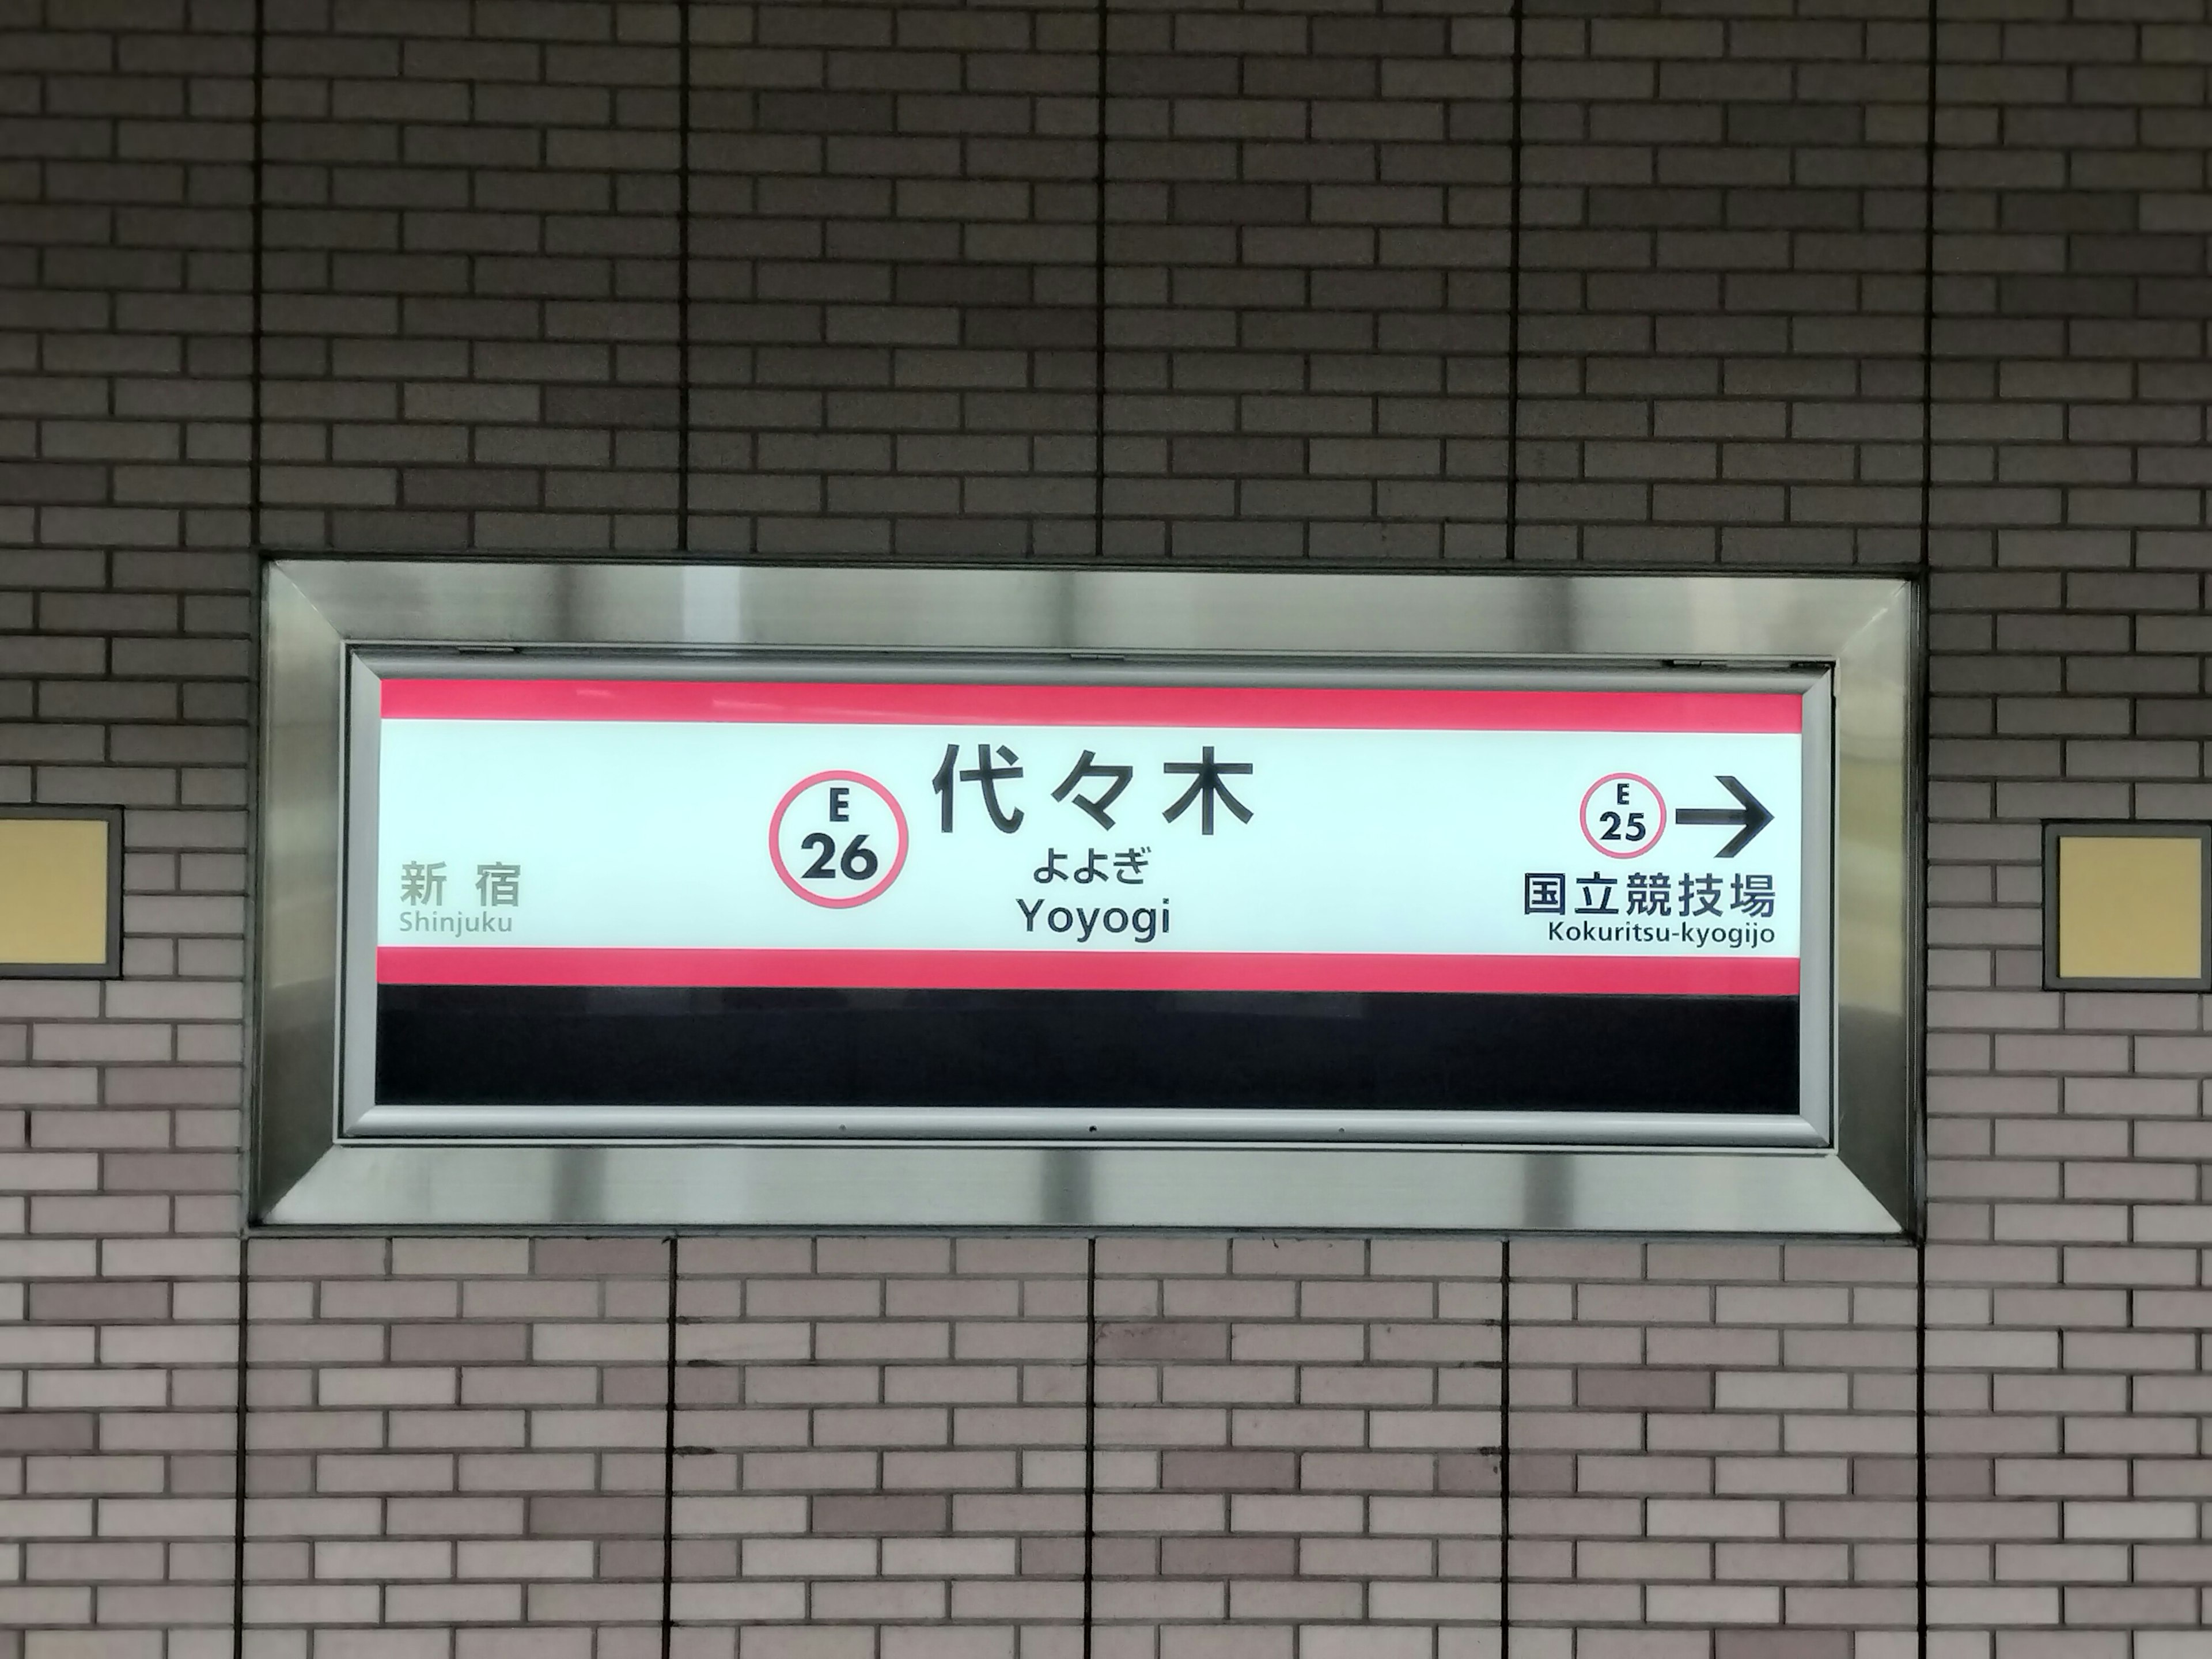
x,y
1753,816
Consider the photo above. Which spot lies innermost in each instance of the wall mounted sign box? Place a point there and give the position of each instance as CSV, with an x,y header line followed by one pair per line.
x,y
703,896
2127,907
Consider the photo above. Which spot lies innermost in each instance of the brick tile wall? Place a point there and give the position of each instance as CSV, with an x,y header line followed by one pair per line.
x,y
471,338
125,269
1308,220
895,278
455,1448
1297,1446
1714,1450
470,242
879,1448
1722,227
125,345
2066,1304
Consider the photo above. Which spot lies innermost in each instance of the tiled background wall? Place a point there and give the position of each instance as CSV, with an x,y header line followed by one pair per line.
x,y
646,277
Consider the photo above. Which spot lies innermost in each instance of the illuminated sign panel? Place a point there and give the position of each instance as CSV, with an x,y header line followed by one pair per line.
x,y
1074,837
904,898
658,896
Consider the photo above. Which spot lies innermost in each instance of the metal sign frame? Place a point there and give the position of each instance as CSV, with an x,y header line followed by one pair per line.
x,y
325,1153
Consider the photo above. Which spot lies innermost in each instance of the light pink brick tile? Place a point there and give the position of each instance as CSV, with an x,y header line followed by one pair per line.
x,y
838,1493
1276,1470
415,1469
1735,1468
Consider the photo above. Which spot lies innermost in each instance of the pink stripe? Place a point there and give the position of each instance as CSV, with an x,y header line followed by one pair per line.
x,y
1305,707
1071,970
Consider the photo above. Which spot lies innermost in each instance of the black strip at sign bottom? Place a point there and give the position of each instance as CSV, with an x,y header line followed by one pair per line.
x,y
540,1046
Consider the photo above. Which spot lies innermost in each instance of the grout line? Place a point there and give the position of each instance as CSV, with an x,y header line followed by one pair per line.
x,y
238,1471
258,191
1928,295
1505,1446
257,166
682,291
1928,140
1513,302
1090,1428
668,1467
1920,1439
1933,54
1098,348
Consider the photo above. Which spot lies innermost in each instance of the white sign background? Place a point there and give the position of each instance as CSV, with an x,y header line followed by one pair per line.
x,y
645,835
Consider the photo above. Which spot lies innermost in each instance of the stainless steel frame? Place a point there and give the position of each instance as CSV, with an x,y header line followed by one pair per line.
x,y
1851,643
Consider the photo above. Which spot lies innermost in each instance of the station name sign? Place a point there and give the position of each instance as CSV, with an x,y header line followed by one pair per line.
x,y
968,834
624,894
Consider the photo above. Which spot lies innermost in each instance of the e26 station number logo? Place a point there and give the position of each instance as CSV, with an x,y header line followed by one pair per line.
x,y
837,839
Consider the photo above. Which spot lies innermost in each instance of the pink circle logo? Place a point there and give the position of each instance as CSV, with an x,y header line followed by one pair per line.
x,y
1623,815
837,839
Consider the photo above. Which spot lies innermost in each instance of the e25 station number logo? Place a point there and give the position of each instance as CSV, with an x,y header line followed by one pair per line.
x,y
1623,816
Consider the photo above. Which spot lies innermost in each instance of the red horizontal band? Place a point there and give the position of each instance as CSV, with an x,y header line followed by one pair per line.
x,y
1088,971
1303,706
